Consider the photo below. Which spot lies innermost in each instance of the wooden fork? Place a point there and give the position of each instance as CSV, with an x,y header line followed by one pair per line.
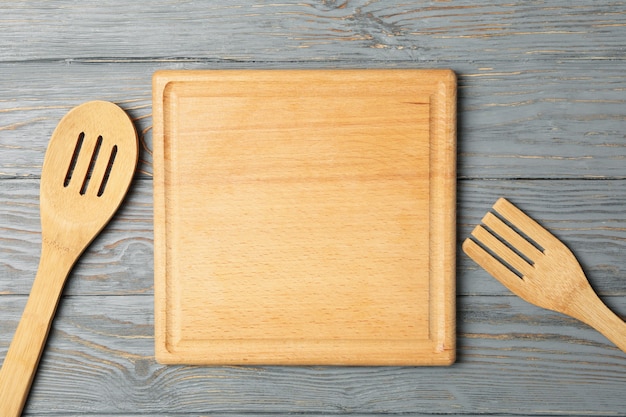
x,y
535,265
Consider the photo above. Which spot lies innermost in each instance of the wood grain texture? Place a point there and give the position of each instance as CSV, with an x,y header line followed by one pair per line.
x,y
118,262
513,356
359,30
541,121
587,215
533,360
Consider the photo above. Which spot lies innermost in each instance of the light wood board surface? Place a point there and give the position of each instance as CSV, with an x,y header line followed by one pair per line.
x,y
541,121
305,217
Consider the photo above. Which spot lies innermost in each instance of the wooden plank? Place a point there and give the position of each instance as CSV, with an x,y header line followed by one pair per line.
x,y
312,31
587,215
119,261
513,359
261,414
286,194
31,109
554,120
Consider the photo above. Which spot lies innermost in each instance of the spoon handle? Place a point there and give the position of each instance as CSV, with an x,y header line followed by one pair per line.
x,y
20,363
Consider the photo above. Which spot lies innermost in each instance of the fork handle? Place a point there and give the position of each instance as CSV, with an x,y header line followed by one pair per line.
x,y
590,309
20,363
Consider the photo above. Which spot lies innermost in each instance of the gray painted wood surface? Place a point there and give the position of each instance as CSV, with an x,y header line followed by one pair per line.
x,y
542,121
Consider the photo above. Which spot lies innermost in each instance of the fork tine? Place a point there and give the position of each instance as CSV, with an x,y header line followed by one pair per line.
x,y
523,222
515,239
491,265
500,249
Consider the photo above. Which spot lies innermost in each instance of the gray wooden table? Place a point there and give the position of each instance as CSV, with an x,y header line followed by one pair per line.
x,y
542,121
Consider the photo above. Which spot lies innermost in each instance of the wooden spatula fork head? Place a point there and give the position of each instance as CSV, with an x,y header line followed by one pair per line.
x,y
536,266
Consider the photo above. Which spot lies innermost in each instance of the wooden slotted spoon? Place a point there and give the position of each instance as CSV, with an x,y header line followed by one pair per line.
x,y
88,167
549,274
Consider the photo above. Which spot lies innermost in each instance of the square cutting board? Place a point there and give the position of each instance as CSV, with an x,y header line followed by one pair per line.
x,y
305,217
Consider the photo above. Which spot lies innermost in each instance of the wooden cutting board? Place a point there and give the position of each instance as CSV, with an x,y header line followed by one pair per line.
x,y
305,217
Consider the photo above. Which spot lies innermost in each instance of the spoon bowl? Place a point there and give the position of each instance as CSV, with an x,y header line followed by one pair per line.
x,y
87,169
